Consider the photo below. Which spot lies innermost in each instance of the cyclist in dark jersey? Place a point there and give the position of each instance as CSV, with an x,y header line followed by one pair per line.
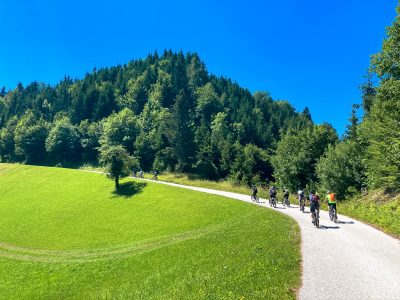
x,y
254,192
285,197
314,203
272,193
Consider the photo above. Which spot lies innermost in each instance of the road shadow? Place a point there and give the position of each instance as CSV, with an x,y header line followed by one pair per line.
x,y
130,188
344,222
328,227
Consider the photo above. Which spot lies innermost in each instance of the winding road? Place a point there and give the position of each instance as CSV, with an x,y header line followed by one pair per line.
x,y
346,260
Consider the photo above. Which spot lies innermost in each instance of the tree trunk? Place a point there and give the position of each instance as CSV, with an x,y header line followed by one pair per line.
x,y
117,182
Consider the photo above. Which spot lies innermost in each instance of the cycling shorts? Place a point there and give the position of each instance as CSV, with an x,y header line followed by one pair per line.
x,y
332,205
313,207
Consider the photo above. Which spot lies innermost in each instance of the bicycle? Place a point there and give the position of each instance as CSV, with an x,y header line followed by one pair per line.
x,y
302,205
254,198
272,201
286,201
155,177
315,216
332,214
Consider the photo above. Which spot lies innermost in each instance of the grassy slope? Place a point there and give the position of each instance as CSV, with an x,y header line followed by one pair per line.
x,y
65,234
378,209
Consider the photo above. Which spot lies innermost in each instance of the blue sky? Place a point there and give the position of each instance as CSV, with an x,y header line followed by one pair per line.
x,y
311,53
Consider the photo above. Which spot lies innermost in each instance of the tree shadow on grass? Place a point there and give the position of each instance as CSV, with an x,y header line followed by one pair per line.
x,y
128,189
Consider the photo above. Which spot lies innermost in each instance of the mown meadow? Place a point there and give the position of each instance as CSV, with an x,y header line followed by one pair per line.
x,y
68,234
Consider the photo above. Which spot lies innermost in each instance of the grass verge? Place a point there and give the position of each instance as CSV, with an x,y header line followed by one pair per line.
x,y
66,234
377,208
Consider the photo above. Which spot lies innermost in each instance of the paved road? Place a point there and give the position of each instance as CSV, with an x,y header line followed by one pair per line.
x,y
346,260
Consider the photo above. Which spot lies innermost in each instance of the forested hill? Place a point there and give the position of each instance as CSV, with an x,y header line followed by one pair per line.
x,y
166,110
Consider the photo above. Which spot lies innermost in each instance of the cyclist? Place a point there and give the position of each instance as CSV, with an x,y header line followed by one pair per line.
x,y
272,193
155,175
141,174
254,192
331,199
301,198
313,198
285,196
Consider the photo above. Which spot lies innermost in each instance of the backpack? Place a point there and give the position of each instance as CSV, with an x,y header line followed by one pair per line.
x,y
332,197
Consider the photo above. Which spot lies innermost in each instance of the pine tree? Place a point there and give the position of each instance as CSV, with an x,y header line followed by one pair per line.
x,y
182,135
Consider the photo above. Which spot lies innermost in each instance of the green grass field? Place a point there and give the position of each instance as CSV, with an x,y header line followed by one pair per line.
x,y
65,234
377,208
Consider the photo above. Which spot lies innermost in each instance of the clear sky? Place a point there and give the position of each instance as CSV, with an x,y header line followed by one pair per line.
x,y
311,53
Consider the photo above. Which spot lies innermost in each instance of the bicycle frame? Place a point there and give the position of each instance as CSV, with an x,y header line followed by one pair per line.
x,y
332,214
315,215
302,204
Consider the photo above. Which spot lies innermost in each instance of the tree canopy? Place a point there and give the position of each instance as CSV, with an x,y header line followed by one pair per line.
x,y
166,110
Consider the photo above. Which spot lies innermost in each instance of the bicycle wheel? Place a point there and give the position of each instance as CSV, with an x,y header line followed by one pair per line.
x,y
334,217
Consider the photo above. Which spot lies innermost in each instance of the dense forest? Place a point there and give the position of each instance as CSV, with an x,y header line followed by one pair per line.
x,y
167,113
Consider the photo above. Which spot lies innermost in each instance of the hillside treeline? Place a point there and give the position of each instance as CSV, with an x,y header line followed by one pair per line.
x,y
167,111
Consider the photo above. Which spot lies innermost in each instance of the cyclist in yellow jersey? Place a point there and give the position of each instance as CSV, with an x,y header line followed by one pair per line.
x,y
331,199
